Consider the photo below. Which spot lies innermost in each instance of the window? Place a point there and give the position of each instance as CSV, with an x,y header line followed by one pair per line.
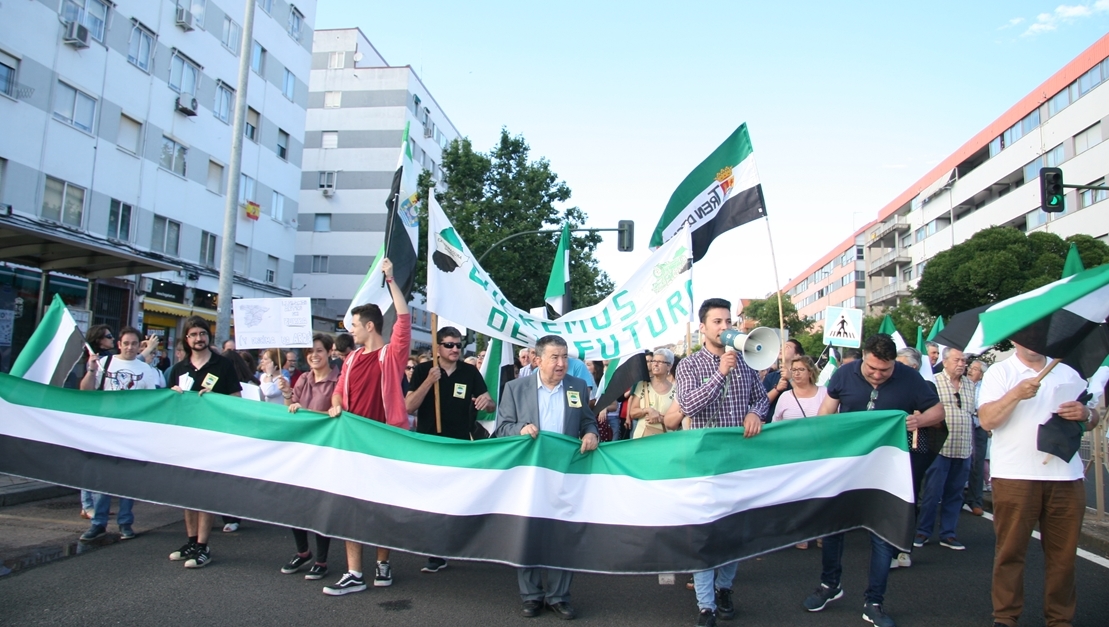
x,y
920,235
329,139
141,47
183,74
208,249
327,180
289,86
8,67
166,236
246,189
296,21
336,60
1091,196
197,8
63,202
267,5
215,177
129,137
995,147
332,99
224,97
322,223
1089,80
241,259
1054,157
232,36
74,107
319,264
92,13
277,209
1034,219
173,156
1087,139
119,220
258,58
907,274
271,269
920,268
282,145
1059,102
252,119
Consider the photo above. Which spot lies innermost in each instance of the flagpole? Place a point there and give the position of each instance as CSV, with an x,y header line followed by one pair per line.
x,y
388,240
435,364
688,338
777,283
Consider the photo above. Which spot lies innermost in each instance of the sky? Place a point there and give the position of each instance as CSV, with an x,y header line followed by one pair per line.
x,y
847,104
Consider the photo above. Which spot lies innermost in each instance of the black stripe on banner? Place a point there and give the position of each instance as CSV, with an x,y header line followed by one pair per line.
x,y
741,208
512,540
72,353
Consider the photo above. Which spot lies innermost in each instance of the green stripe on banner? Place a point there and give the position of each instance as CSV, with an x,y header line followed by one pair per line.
x,y
44,334
680,455
998,323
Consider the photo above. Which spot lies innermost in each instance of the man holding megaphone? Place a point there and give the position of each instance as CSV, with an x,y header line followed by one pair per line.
x,y
718,386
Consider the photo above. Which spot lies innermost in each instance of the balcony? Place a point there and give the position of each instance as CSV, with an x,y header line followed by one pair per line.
x,y
885,234
888,264
888,294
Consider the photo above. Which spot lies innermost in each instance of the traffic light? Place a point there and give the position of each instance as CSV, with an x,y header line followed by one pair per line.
x,y
626,242
1051,190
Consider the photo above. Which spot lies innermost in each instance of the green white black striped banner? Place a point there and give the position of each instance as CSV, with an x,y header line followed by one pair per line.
x,y
681,502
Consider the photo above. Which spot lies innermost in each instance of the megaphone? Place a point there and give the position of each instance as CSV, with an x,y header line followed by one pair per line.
x,y
759,347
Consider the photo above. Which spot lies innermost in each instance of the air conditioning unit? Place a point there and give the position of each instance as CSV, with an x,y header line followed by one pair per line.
x,y
5,210
429,130
187,104
185,19
328,192
146,285
76,35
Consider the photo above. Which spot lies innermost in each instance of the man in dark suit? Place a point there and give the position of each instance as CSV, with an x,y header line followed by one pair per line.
x,y
547,400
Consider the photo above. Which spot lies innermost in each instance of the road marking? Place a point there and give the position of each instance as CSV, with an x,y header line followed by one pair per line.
x,y
1083,553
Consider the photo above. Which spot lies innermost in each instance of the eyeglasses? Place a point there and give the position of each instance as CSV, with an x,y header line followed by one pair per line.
x,y
197,335
108,336
798,370
659,361
409,368
873,397
451,344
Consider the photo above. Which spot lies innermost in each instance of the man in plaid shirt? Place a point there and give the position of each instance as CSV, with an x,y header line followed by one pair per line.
x,y
716,388
944,480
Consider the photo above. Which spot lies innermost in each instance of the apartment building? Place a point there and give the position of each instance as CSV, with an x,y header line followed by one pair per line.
x,y
992,180
115,153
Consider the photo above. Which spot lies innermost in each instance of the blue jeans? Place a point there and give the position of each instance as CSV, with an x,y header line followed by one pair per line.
x,y
881,553
617,425
943,490
707,582
103,502
87,499
977,468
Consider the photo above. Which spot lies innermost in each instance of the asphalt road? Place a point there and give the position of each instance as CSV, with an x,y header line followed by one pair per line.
x,y
133,583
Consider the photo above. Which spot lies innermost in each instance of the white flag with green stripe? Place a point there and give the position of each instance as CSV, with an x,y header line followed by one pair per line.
x,y
498,355
53,349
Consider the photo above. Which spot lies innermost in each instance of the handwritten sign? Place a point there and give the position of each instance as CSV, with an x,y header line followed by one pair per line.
x,y
272,323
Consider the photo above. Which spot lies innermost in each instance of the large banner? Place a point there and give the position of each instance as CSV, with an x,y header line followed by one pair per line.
x,y
650,310
678,502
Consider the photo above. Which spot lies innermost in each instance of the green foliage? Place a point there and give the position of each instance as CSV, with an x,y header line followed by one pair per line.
x,y
813,343
995,264
490,196
766,312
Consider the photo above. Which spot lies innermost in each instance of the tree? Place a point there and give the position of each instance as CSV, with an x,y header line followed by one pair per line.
x,y
995,264
766,312
906,316
490,196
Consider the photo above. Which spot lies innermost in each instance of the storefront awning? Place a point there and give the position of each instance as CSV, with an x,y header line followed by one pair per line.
x,y
175,309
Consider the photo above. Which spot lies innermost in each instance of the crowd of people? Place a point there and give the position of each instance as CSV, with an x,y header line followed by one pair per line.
x,y
950,427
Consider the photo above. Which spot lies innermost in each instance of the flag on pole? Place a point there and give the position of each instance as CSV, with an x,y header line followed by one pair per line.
x,y
721,193
920,341
1073,264
53,349
558,287
401,238
829,369
889,329
937,326
495,370
620,376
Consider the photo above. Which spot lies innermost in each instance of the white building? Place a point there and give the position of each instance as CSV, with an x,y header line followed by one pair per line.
x,y
116,144
357,110
992,180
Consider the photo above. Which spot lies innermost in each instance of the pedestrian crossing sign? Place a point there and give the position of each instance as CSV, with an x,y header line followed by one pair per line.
x,y
843,327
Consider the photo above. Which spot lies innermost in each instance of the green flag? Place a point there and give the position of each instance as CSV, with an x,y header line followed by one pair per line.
x,y
558,287
920,341
889,329
1074,262
937,326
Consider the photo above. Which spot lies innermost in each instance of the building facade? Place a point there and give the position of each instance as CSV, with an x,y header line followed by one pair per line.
x,y
992,180
115,153
358,107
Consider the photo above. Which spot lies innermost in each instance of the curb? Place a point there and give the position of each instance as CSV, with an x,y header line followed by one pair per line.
x,y
31,491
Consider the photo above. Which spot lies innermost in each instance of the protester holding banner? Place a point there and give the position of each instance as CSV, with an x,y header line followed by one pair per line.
x,y
716,388
312,392
201,371
650,399
804,397
370,386
778,382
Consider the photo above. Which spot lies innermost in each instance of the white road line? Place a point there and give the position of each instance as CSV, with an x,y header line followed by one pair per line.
x,y
1083,553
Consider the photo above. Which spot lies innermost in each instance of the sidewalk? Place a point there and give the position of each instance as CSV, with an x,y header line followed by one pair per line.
x,y
16,490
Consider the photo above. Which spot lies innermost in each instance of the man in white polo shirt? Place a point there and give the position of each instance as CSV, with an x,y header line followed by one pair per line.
x,y
1031,487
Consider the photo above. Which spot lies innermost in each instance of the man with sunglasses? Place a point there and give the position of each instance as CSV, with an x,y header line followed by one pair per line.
x,y
877,381
944,479
462,393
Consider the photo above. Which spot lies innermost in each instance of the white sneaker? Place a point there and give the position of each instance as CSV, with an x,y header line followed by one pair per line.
x,y
894,564
903,560
231,527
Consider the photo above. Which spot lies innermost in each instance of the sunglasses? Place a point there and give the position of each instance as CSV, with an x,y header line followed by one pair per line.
x,y
958,400
873,397
451,344
409,368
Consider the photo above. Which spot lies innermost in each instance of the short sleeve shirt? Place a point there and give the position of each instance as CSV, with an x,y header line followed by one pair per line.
x,y
217,369
457,392
905,390
362,379
128,375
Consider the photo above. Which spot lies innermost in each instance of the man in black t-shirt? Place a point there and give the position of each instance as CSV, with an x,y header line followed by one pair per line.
x,y
462,393
201,371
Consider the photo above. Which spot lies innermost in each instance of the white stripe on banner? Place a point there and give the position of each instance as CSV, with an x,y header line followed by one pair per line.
x,y
592,498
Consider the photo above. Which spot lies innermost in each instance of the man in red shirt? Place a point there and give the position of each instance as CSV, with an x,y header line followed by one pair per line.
x,y
370,386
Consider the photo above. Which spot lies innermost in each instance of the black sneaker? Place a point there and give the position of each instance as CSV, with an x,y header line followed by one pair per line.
x,y
822,596
201,557
872,613
383,577
347,583
316,572
295,564
126,532
707,618
434,565
93,532
185,552
725,609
